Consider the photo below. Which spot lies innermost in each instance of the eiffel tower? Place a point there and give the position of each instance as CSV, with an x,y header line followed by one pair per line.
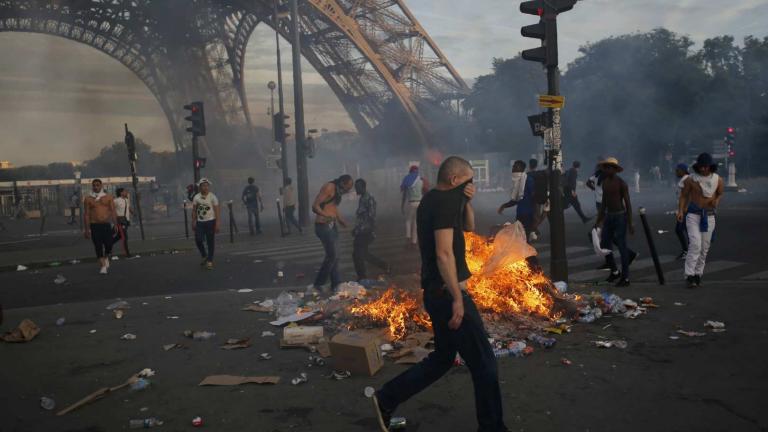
x,y
372,53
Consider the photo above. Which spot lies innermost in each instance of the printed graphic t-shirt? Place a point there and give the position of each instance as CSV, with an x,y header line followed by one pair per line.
x,y
204,206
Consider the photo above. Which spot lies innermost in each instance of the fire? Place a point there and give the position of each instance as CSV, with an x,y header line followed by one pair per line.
x,y
513,288
399,309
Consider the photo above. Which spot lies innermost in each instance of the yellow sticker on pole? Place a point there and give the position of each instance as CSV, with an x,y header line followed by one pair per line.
x,y
549,101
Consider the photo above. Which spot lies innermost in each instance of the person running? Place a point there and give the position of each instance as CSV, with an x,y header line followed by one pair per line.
x,y
100,216
595,182
123,209
522,196
444,215
681,172
326,207
699,199
412,188
74,205
289,205
364,232
569,190
206,213
540,196
253,205
615,218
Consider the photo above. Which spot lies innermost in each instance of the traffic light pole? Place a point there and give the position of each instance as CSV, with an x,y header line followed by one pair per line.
x,y
129,141
558,259
302,176
195,156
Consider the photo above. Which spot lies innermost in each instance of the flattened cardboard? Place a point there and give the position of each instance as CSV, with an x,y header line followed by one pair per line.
x,y
233,380
299,335
25,332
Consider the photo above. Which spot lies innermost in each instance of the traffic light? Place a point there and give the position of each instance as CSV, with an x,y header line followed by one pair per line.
x,y
200,162
279,125
730,141
545,30
539,123
130,143
196,117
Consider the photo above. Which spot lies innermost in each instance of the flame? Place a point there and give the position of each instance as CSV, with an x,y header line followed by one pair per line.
x,y
399,309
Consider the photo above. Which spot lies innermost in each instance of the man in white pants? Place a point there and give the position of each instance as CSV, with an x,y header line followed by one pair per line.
x,y
699,199
413,188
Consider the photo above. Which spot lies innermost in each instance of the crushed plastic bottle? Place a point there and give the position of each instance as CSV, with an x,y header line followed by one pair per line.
x,y
47,403
140,384
614,303
203,335
546,342
286,305
144,423
514,349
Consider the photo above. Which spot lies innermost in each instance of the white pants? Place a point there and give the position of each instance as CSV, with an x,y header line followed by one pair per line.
x,y
410,221
698,244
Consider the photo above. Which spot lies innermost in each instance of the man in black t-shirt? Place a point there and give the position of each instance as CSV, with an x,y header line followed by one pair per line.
x,y
443,215
253,205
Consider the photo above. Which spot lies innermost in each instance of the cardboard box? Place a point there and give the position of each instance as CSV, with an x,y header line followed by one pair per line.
x,y
301,335
356,353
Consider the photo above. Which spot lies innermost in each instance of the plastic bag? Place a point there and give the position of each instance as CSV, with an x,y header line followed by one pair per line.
x,y
509,246
596,243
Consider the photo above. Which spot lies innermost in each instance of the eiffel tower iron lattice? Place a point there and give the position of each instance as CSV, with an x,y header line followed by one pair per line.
x,y
370,52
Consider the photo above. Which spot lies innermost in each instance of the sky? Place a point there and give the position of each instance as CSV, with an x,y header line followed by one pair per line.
x,y
62,101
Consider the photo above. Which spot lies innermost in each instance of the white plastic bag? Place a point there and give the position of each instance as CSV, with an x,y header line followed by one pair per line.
x,y
509,246
596,243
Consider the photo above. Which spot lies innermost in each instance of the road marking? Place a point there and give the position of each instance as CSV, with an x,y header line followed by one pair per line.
x,y
711,267
756,276
20,241
568,251
314,242
589,275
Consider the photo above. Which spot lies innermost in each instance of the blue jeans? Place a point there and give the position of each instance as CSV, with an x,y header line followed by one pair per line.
x,y
329,236
206,231
470,340
615,232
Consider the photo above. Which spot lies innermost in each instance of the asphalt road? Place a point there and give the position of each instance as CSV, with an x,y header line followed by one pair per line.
x,y
709,383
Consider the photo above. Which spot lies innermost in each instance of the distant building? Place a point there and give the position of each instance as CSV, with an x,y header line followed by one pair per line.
x,y
5,164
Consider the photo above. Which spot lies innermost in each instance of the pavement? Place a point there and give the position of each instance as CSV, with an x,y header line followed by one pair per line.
x,y
709,383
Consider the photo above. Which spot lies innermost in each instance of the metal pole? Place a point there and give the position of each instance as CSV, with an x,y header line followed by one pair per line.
x,y
186,221
558,259
280,218
195,156
302,177
231,223
651,246
42,210
138,198
281,100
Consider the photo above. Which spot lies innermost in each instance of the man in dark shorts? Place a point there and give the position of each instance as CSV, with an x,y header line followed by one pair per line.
x,y
615,217
443,216
253,205
100,216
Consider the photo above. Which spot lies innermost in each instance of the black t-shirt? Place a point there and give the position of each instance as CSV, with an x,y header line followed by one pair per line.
x,y
539,186
440,210
251,195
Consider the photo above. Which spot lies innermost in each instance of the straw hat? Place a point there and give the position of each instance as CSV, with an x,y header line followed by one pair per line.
x,y
612,161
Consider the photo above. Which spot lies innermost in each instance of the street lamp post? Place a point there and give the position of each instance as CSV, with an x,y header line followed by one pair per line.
x,y
281,103
271,86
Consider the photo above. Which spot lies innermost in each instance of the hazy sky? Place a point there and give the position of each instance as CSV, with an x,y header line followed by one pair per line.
x,y
63,101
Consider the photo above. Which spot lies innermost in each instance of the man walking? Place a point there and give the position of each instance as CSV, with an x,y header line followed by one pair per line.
x,y
443,216
253,205
681,171
569,190
326,207
206,213
540,196
522,196
74,205
698,203
100,216
123,210
289,205
412,189
595,182
365,232
615,217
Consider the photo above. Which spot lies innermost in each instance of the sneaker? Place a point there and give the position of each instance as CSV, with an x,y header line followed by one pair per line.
x,y
697,280
103,270
204,262
615,275
690,282
209,265
682,256
623,282
382,416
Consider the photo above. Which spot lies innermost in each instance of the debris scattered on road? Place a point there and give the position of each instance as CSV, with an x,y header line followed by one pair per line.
x,y
237,344
128,336
245,290
144,423
169,347
233,380
267,334
561,286
60,279
199,335
358,353
302,378
663,231
197,421
92,331
265,356
122,304
674,337
302,335
47,403
386,347
340,375
146,373
25,332
98,394
397,423
297,317
679,304
257,308
140,384
74,261
115,258
60,322
118,313
621,344
546,342
716,326
171,317
369,392
691,333
168,297
565,361
316,361
21,267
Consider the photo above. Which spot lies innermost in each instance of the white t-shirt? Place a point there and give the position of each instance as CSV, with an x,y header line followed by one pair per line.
x,y
414,193
205,206
122,208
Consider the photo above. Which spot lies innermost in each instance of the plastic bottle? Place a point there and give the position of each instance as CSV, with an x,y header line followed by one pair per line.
x,y
140,384
546,342
286,305
144,423
203,335
47,403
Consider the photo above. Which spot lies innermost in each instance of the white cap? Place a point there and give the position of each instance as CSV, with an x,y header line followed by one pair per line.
x,y
203,180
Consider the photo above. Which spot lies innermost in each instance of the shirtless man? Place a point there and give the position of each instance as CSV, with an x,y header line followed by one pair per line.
x,y
699,199
100,216
326,209
615,217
